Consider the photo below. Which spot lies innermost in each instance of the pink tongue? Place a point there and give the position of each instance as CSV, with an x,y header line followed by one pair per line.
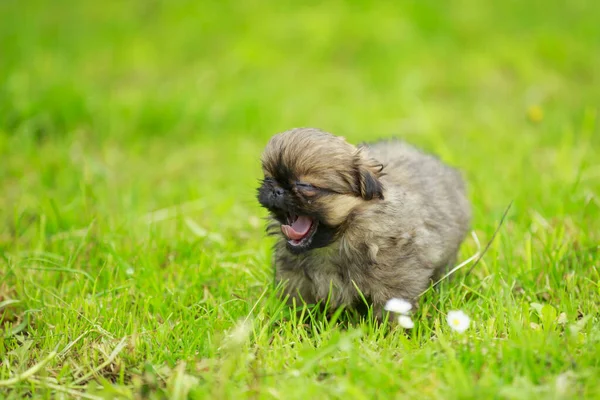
x,y
298,229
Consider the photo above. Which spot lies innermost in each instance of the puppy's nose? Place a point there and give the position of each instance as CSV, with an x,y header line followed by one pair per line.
x,y
272,196
277,198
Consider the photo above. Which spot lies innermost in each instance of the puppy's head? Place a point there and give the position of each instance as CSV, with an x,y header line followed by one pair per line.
x,y
313,181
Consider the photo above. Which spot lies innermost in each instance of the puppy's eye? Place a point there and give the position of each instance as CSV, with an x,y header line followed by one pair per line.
x,y
306,188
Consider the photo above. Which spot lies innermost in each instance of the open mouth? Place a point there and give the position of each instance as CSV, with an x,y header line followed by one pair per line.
x,y
299,229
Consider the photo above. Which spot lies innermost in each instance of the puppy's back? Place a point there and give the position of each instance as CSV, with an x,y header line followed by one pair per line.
x,y
437,191
408,166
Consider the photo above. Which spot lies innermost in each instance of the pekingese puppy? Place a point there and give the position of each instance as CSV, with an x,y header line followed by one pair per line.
x,y
383,219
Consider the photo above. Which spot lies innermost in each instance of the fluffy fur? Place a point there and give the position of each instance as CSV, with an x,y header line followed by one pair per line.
x,y
387,218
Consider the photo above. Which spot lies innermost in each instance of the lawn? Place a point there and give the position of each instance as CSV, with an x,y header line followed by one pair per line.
x,y
133,260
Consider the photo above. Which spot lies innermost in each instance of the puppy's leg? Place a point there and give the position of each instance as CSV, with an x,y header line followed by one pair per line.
x,y
444,269
297,287
405,289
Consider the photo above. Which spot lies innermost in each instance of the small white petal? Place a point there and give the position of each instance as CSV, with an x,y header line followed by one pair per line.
x,y
562,319
398,306
564,382
405,322
239,334
129,271
458,321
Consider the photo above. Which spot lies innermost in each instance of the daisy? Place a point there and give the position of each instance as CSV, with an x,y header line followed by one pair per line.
x,y
398,306
458,321
405,322
402,307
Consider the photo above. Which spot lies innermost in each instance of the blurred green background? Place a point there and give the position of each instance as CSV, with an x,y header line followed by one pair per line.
x,y
131,132
134,96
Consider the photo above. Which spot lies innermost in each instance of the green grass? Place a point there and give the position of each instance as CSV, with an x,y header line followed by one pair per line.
x,y
131,243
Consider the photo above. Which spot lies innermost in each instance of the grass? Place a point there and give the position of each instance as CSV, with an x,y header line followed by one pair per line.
x,y
133,261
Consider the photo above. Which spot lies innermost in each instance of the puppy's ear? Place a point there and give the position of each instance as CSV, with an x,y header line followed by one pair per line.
x,y
370,186
368,174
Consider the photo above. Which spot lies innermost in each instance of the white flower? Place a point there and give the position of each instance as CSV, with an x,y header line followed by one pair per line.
x,y
398,306
405,322
238,335
402,307
458,321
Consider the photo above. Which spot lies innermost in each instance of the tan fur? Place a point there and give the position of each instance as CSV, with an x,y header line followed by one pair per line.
x,y
398,217
339,207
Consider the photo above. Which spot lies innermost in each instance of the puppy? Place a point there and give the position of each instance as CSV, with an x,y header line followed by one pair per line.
x,y
383,219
